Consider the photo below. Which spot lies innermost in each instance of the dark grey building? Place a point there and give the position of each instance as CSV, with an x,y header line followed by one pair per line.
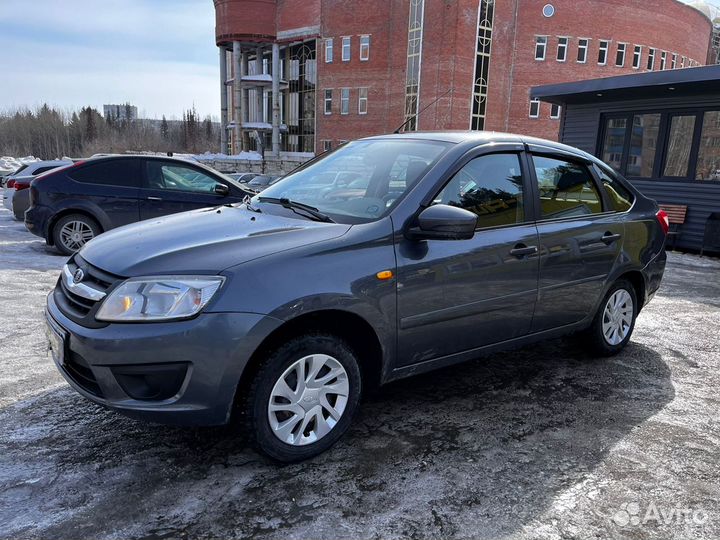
x,y
661,130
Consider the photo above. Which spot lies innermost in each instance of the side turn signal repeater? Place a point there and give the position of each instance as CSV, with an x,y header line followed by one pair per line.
x,y
384,275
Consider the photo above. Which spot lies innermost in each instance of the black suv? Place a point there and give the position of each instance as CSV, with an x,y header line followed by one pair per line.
x,y
72,205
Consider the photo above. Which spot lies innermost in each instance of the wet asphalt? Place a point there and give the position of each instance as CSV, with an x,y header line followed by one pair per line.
x,y
540,443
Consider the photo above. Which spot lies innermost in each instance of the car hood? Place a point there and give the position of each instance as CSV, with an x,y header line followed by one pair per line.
x,y
201,241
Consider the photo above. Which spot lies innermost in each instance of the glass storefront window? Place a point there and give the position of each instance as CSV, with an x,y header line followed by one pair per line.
x,y
679,145
708,162
643,143
614,142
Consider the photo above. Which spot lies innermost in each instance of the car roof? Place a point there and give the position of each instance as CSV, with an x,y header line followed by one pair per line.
x,y
475,138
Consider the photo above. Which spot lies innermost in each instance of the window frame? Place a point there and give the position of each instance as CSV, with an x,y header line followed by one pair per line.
x,y
624,54
659,163
346,41
326,101
534,102
541,41
329,46
564,44
637,56
584,48
663,60
651,59
604,48
559,111
361,99
365,58
344,100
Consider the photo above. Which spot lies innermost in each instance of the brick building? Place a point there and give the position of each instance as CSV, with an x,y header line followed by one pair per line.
x,y
314,73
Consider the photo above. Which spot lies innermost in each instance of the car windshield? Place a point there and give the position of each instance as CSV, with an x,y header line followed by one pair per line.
x,y
360,181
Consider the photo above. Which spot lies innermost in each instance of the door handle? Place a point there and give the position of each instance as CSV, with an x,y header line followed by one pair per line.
x,y
609,238
154,198
521,250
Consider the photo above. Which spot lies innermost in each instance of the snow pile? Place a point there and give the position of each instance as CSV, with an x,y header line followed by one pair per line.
x,y
9,164
242,156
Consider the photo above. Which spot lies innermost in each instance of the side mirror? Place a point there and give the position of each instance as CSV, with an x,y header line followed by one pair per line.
x,y
443,222
222,190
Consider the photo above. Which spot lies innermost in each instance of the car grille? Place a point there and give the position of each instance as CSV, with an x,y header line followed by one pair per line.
x,y
77,307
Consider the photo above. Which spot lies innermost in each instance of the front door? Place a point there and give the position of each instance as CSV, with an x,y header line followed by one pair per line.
x,y
457,295
580,240
172,187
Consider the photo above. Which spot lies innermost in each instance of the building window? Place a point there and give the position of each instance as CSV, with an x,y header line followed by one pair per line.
x,y
582,50
673,61
679,144
364,48
414,61
562,49
643,144
682,62
346,49
620,57
708,162
345,101
637,57
534,108
362,100
328,101
554,111
327,145
483,47
328,50
540,47
614,141
651,59
663,60
603,52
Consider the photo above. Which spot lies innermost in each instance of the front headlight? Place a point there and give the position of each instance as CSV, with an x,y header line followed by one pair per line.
x,y
159,298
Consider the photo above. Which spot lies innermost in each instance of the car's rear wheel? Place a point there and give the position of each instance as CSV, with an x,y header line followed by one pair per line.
x,y
73,231
614,322
303,398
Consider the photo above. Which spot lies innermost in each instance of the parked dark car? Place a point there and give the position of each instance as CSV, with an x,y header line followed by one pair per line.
x,y
261,181
71,206
461,244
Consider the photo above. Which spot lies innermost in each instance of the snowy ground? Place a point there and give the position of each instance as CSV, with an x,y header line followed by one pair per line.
x,y
539,443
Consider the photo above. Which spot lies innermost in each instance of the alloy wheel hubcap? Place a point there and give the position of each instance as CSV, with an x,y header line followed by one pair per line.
x,y
308,400
75,234
617,317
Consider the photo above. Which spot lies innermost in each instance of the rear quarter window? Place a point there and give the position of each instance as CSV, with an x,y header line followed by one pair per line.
x,y
621,198
120,172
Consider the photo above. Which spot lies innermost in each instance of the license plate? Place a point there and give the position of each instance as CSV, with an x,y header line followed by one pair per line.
x,y
56,340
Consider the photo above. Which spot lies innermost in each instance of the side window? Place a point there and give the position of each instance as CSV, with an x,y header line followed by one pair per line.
x,y
491,187
176,177
114,172
45,169
566,189
621,197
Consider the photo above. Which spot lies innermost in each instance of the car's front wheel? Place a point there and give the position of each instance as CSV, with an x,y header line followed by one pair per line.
x,y
303,398
614,322
72,232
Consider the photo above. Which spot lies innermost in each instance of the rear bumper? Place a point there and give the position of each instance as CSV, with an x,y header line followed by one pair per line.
x,y
182,373
654,272
37,219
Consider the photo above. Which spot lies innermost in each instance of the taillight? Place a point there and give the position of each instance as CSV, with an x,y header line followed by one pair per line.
x,y
10,184
19,186
664,220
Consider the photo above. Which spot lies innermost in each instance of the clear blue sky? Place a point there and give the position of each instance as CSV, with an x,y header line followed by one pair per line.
x,y
158,54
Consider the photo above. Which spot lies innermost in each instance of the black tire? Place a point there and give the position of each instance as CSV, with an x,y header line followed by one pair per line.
x,y
259,394
58,241
594,336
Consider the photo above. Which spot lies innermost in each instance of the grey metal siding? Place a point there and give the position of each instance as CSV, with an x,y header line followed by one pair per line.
x,y
581,128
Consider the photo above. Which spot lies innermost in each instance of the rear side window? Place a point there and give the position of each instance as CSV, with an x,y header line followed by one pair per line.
x,y
20,169
620,197
45,169
566,189
116,172
491,187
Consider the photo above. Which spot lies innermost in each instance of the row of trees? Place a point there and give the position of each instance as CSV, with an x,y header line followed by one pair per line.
x,y
48,133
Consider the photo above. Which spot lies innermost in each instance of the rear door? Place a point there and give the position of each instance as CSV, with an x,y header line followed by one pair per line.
x,y
110,184
580,238
457,295
171,187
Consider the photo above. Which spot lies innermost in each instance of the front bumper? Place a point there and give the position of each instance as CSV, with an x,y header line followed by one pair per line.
x,y
183,372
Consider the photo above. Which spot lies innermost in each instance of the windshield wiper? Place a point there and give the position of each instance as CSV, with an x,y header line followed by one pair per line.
x,y
295,206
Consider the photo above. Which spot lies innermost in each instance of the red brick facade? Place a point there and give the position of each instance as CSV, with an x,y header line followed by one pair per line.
x,y
449,50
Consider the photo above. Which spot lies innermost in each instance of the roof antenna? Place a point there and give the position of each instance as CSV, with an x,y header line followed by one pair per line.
x,y
405,123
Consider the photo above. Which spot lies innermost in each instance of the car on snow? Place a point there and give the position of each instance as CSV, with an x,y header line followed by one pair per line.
x,y
279,314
